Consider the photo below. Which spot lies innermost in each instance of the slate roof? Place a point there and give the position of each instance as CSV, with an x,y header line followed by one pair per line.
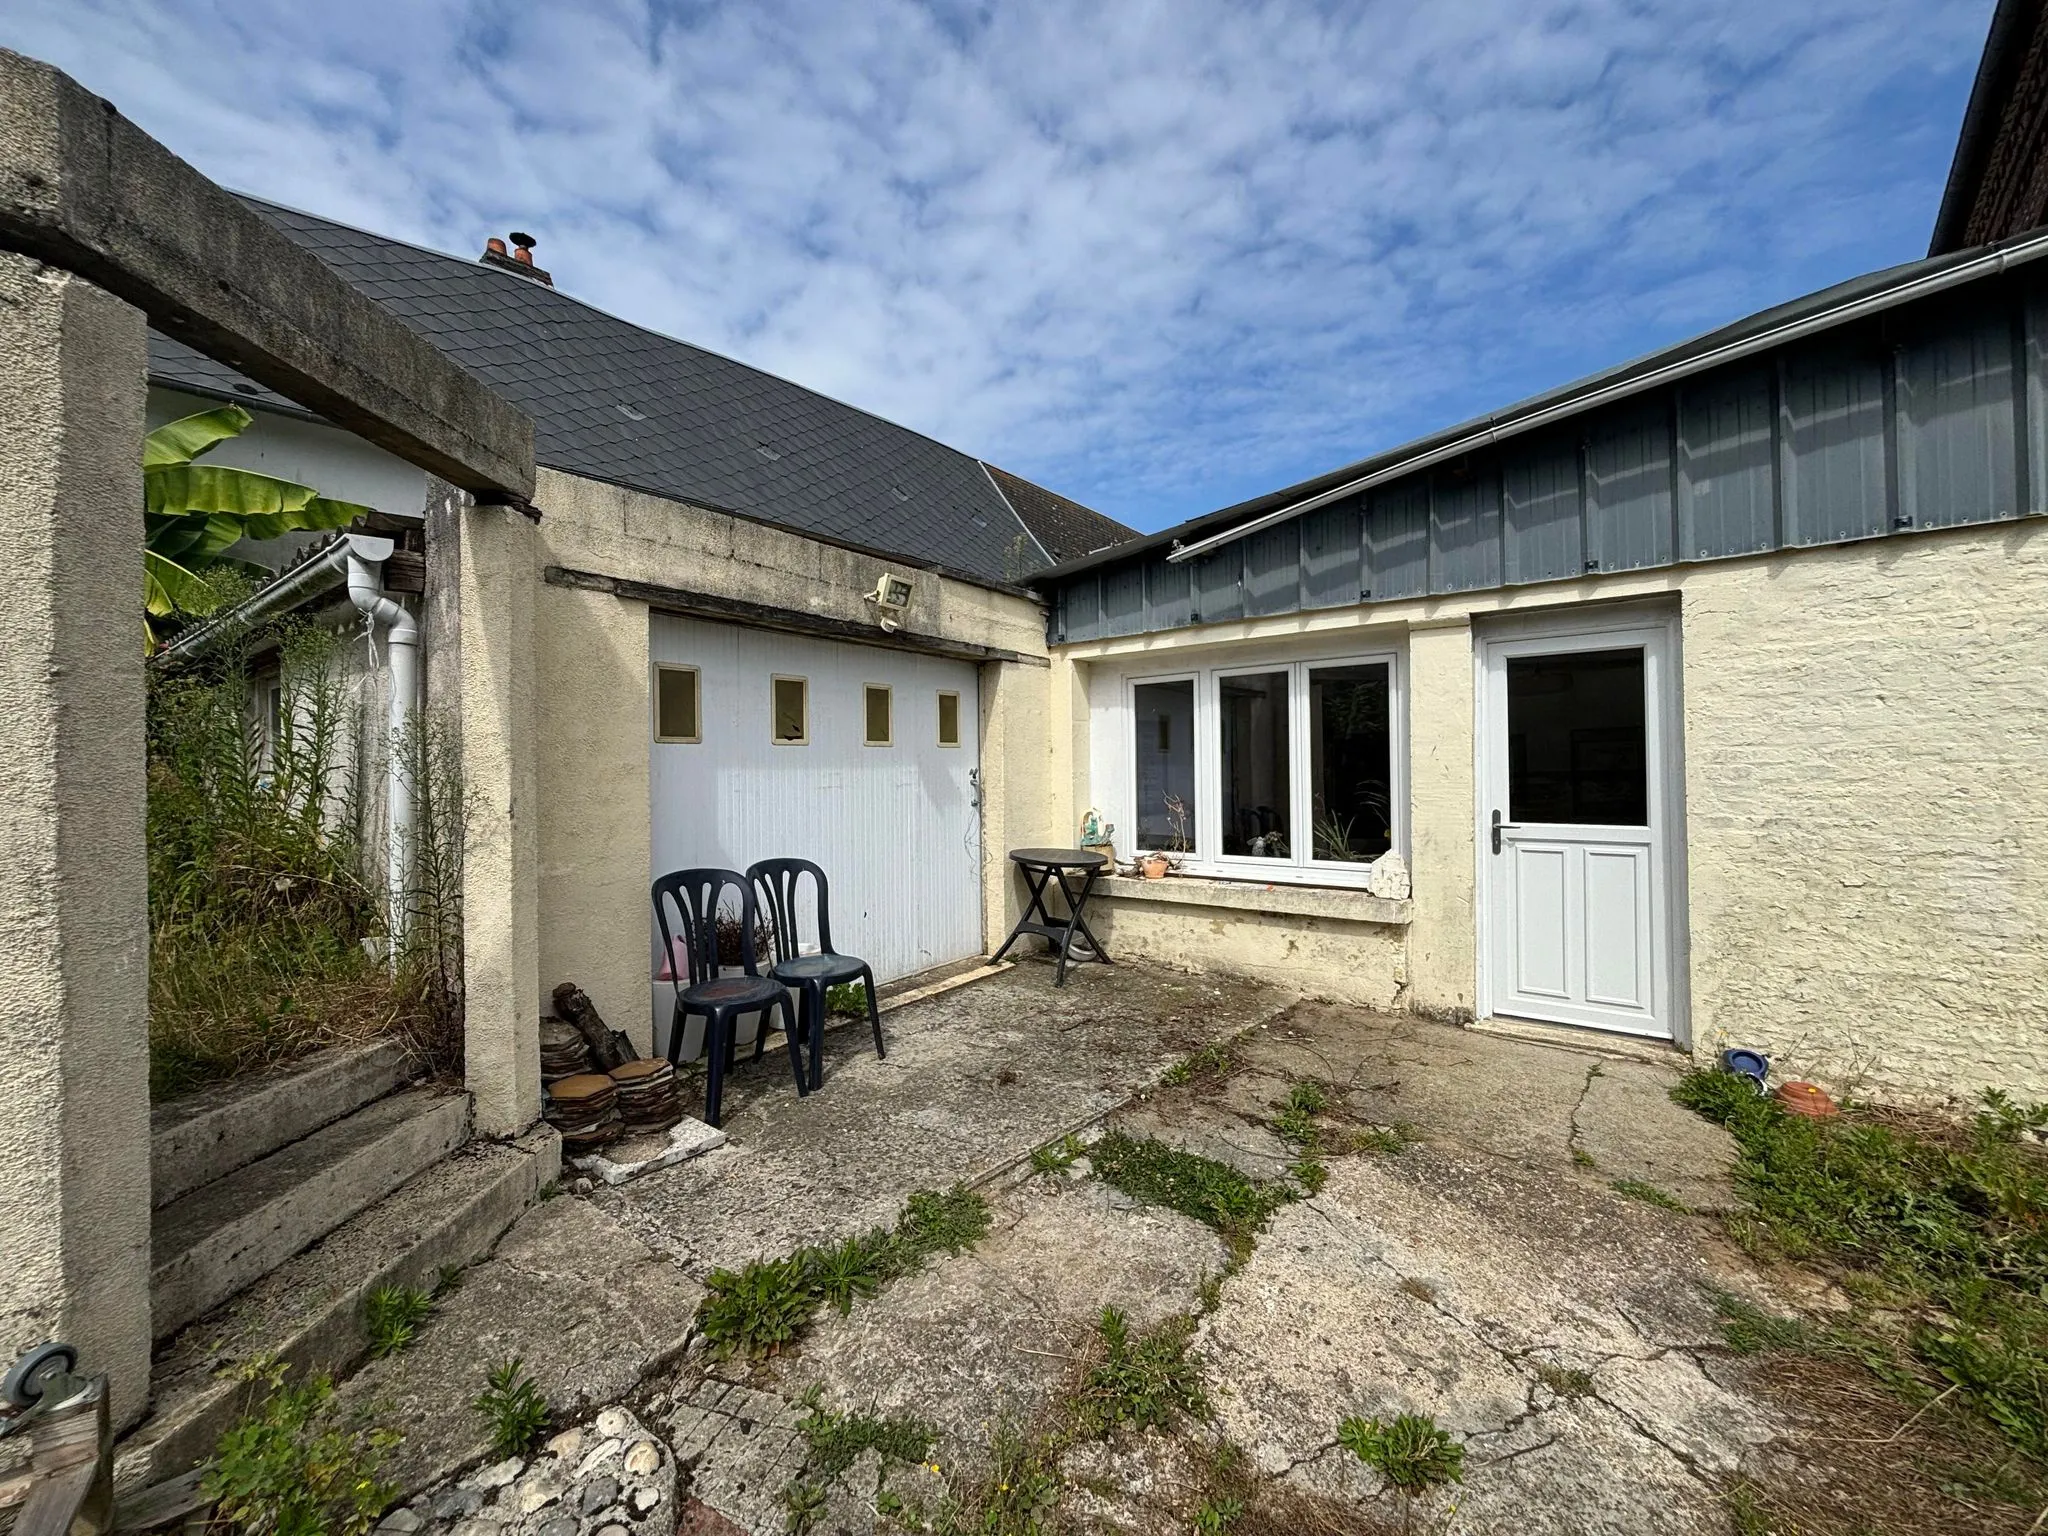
x,y
614,402
1065,529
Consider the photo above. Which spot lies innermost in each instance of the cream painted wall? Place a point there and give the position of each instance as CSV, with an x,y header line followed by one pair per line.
x,y
591,665
1346,962
1866,786
1867,802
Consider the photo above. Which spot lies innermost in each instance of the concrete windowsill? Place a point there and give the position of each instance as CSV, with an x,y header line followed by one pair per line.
x,y
1252,896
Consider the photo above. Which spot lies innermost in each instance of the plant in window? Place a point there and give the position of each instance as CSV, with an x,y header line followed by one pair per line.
x,y
1333,836
1179,838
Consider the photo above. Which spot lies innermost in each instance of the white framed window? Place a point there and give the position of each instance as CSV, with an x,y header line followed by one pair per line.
x,y
678,706
877,728
949,718
789,710
1291,769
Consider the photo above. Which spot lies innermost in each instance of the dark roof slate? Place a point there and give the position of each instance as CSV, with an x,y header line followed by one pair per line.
x,y
615,402
1064,528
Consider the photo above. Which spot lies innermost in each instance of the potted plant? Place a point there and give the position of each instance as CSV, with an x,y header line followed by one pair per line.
x,y
1153,866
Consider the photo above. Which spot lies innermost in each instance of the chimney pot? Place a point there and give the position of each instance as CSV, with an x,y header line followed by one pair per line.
x,y
524,254
494,246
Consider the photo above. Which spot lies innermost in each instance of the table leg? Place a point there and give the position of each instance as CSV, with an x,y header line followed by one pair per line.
x,y
1034,882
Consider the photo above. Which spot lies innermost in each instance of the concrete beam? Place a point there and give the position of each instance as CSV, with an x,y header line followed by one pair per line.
x,y
74,951
83,188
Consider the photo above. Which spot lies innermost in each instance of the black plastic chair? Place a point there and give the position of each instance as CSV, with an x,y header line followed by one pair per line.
x,y
780,882
722,1001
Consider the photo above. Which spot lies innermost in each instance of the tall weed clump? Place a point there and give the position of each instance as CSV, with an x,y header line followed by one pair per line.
x,y
269,933
1944,1227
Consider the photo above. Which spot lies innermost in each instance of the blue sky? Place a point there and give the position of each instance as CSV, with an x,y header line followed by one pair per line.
x,y
1160,255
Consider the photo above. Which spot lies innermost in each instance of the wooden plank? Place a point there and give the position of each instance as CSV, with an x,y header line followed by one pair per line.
x,y
732,610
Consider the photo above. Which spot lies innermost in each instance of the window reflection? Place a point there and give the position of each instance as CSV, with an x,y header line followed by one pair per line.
x,y
1351,762
1257,815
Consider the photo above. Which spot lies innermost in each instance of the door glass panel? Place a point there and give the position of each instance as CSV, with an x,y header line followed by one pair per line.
x,y
1257,818
1575,739
1351,762
1166,766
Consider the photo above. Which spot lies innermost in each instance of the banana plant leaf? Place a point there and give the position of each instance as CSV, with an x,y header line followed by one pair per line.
x,y
183,440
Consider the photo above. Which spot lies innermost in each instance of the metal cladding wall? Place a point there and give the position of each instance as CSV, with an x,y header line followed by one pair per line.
x,y
1932,415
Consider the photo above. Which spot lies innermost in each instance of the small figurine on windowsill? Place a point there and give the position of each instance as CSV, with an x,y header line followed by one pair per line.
x,y
1098,836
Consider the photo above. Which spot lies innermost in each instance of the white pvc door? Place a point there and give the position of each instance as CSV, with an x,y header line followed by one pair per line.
x,y
1574,822
894,825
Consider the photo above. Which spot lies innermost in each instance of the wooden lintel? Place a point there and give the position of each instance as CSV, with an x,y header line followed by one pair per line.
x,y
733,610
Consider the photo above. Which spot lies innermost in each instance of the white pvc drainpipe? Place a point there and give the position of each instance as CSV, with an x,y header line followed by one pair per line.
x,y
366,557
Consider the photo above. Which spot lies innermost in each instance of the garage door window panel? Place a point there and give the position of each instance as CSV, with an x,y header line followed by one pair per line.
x,y
790,703
877,727
677,706
949,719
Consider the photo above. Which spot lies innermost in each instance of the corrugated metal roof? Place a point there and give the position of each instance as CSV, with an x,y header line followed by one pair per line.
x,y
1600,384
615,402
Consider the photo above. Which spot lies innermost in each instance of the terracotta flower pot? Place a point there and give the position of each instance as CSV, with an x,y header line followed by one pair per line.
x,y
1153,866
1806,1099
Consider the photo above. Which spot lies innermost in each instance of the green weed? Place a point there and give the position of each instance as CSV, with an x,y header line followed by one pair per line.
x,y
1581,1158
1140,1383
1209,1191
767,1304
513,1408
1309,1173
1057,1156
1409,1451
1217,1516
1216,1059
392,1315
847,1000
1749,1330
289,1468
838,1440
1649,1194
1952,1230
1385,1140
1566,1381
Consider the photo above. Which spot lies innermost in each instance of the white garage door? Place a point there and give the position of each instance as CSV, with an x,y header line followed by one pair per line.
x,y
894,825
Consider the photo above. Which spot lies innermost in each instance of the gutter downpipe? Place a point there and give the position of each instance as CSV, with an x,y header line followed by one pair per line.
x,y
366,556
1514,426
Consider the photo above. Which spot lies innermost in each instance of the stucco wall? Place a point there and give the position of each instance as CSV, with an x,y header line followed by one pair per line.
x,y
592,712
1319,946
1866,800
1867,797
74,1091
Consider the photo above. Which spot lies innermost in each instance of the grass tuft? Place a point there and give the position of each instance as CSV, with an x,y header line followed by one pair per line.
x,y
1215,1193
1217,1059
513,1408
1141,1383
1409,1451
1947,1226
392,1315
1649,1194
1057,1156
761,1307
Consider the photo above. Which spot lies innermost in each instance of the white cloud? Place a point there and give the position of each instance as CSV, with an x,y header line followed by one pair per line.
x,y
1157,255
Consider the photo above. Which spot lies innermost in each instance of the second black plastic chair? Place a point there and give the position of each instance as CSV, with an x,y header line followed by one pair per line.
x,y
779,883
722,1000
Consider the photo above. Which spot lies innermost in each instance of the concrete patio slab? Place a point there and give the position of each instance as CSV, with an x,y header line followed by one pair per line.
x,y
975,1078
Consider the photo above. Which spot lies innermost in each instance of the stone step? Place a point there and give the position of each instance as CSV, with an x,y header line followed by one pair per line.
x,y
308,1312
211,1243
209,1134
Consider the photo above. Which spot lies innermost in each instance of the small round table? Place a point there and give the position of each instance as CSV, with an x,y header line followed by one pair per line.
x,y
1042,867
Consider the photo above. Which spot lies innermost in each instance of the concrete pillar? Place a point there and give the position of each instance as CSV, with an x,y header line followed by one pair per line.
x,y
596,832
74,925
1442,951
496,577
1017,792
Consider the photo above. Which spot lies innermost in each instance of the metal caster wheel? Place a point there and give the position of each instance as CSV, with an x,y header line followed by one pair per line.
x,y
24,1384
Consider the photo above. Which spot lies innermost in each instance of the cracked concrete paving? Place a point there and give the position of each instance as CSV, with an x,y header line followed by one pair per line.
x,y
1469,1276
974,1079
